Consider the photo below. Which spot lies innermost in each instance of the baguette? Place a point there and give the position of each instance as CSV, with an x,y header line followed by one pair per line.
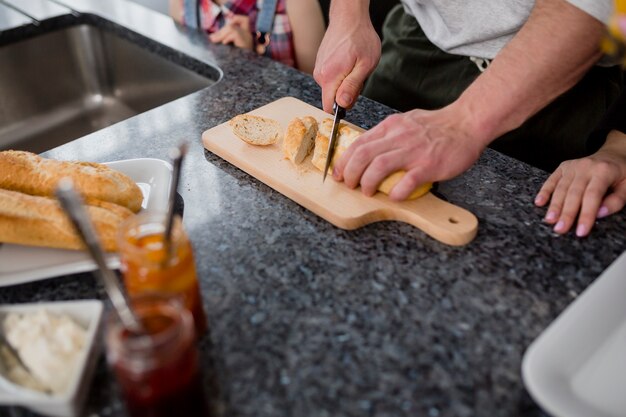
x,y
256,130
346,137
30,174
300,138
40,221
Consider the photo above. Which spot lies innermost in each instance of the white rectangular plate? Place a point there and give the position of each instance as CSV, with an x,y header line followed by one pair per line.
x,y
577,366
20,264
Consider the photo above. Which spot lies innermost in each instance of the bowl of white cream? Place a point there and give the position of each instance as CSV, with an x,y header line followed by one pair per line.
x,y
58,348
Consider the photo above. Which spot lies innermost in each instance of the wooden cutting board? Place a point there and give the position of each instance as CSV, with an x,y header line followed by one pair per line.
x,y
333,201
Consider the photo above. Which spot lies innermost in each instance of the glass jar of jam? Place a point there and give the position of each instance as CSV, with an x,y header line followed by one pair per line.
x,y
157,369
147,267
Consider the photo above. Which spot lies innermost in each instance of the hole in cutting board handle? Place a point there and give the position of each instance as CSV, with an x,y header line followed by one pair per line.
x,y
453,220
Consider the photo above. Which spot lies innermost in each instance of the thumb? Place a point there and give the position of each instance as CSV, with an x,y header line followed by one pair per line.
x,y
351,86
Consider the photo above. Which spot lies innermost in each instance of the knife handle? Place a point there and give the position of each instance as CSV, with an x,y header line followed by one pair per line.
x,y
338,110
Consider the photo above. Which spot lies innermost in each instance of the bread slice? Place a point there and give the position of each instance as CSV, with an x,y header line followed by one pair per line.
x,y
31,174
300,138
40,221
256,130
347,136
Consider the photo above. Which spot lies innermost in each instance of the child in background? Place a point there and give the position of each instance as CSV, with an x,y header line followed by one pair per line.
x,y
297,30
593,187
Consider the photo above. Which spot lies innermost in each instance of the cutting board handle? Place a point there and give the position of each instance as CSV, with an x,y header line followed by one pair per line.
x,y
445,222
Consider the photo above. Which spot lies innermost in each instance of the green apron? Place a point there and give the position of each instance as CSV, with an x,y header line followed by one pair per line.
x,y
413,73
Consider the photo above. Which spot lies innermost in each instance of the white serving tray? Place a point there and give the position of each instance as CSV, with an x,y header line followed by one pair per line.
x,y
577,366
20,264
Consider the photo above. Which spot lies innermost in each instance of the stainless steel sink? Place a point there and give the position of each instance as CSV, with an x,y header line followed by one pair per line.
x,y
62,85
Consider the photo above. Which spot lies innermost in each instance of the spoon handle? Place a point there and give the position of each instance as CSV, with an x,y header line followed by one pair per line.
x,y
177,155
75,210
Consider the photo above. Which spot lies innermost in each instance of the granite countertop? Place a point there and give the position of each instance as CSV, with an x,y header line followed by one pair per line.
x,y
311,320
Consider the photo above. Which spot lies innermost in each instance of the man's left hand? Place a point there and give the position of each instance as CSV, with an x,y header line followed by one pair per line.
x,y
429,145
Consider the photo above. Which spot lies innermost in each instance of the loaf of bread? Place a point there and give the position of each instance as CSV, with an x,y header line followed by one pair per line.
x,y
300,138
346,137
31,174
256,130
40,221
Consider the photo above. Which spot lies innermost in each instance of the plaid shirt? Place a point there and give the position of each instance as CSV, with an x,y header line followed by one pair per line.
x,y
213,17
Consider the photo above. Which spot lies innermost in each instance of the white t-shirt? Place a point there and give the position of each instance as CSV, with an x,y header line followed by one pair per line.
x,y
481,28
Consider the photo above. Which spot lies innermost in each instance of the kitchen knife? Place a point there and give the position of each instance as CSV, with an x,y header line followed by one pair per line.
x,y
340,113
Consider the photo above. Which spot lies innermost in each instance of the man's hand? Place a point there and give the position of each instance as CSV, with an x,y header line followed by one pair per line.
x,y
535,67
580,188
429,145
348,54
236,31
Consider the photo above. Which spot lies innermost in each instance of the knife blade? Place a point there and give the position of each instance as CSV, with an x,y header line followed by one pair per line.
x,y
340,113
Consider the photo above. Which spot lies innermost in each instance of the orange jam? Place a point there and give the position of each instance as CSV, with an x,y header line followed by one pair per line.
x,y
146,269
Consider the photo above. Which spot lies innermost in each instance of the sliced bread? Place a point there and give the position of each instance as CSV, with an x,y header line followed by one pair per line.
x,y
347,136
256,130
300,138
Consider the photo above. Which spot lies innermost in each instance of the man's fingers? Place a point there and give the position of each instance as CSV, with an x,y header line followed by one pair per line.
x,y
361,157
375,133
323,74
329,92
343,89
380,168
411,180
352,85
543,196
349,90
329,87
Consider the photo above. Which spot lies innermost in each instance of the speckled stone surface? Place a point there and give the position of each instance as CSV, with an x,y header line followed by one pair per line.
x,y
310,320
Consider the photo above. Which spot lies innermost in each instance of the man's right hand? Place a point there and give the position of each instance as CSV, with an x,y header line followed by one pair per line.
x,y
348,54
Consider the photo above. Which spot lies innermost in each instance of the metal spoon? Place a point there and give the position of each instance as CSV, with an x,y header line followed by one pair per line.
x,y
176,155
76,211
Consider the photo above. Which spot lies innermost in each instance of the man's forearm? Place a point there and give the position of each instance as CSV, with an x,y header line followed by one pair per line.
x,y
349,9
548,56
